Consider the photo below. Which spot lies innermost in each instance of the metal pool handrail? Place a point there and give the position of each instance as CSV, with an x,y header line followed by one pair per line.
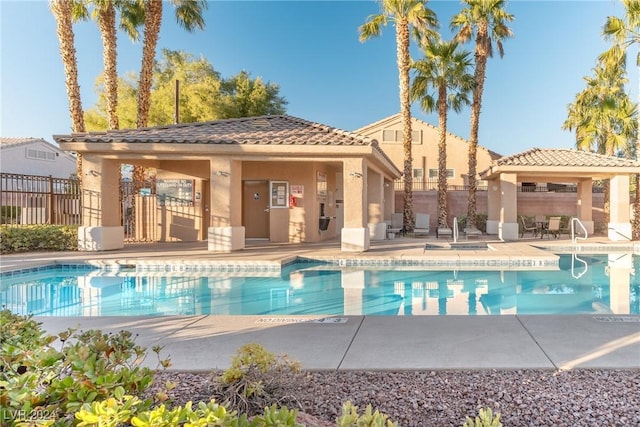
x,y
455,229
575,258
574,236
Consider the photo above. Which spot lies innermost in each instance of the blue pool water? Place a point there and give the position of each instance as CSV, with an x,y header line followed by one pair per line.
x,y
586,284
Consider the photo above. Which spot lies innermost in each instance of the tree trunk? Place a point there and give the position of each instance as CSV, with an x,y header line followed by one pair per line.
x,y
403,58
61,10
481,55
152,22
442,156
107,24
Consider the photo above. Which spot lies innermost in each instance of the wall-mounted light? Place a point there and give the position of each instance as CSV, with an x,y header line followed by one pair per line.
x,y
92,172
356,174
222,173
386,184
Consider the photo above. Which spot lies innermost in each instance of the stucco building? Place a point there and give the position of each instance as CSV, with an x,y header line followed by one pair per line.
x,y
388,133
278,178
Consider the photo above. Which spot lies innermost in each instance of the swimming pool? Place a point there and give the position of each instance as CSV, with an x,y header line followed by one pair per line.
x,y
582,284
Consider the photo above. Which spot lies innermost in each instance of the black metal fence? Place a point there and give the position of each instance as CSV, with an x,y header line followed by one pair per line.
x,y
33,199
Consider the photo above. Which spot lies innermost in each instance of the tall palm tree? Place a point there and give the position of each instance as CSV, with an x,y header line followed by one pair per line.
x,y
603,115
65,15
189,15
488,20
625,32
442,81
405,14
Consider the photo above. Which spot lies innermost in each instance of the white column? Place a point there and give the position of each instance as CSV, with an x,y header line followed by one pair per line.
x,y
375,196
493,206
585,204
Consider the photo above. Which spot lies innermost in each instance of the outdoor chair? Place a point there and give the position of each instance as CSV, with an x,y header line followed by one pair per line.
x,y
422,224
528,228
553,227
396,225
444,231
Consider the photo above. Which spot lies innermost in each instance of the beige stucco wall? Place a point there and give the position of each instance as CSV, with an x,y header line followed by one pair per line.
x,y
425,150
299,223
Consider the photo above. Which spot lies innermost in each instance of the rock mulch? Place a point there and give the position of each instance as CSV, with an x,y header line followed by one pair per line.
x,y
574,398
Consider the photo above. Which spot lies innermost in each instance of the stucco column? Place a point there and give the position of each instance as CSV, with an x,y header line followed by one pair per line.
x,y
226,232
619,218
493,206
508,225
389,199
101,229
375,198
585,204
355,234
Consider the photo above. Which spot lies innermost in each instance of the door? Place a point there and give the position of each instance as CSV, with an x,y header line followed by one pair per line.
x,y
206,210
255,209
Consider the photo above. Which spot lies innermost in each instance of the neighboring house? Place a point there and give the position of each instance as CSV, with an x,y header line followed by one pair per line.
x,y
35,156
388,133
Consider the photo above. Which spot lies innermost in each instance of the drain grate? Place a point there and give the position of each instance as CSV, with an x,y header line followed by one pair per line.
x,y
617,319
324,320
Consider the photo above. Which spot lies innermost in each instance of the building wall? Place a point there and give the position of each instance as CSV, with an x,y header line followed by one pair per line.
x,y
529,204
425,149
17,159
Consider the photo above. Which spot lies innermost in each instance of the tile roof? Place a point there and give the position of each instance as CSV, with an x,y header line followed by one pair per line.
x,y
260,130
6,142
565,158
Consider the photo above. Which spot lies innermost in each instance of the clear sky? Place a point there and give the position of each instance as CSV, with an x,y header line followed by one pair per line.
x,y
311,49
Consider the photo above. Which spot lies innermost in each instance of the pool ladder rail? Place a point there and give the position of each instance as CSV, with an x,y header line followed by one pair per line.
x,y
574,235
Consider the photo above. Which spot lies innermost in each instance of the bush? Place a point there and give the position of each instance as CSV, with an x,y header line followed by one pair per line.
x,y
38,238
485,418
257,378
481,222
10,214
351,418
40,381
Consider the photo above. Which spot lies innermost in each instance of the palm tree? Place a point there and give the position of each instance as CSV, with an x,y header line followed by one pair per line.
x,y
626,32
445,70
488,20
603,115
405,14
63,11
189,16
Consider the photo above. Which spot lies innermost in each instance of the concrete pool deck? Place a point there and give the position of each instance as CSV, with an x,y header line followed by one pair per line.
x,y
204,342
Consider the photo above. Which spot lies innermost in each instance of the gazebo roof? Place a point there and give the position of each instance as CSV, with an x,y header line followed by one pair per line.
x,y
561,163
258,130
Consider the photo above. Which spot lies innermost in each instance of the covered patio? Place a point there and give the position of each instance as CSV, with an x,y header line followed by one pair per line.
x,y
559,166
276,178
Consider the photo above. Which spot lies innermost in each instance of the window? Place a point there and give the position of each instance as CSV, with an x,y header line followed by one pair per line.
x,y
390,135
433,173
418,173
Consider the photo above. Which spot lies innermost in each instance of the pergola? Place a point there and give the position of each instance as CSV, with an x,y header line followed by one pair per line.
x,y
561,166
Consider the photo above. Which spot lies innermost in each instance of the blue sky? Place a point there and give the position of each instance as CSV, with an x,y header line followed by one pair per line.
x,y
311,49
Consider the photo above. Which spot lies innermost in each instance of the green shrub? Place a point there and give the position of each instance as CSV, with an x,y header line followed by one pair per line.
x,y
53,383
257,378
351,418
485,418
10,214
38,238
481,222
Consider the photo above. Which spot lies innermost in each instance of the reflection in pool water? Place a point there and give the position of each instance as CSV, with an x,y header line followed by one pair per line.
x,y
582,284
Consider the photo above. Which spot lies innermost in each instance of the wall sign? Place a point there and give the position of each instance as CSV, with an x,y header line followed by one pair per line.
x,y
279,194
175,192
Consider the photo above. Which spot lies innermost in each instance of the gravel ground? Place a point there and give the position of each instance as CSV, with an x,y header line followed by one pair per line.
x,y
574,398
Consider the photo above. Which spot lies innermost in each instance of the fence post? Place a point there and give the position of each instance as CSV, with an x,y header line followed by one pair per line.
x,y
50,209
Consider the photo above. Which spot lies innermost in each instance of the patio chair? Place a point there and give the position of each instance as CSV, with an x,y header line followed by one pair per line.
x,y
553,227
422,224
444,231
528,228
396,225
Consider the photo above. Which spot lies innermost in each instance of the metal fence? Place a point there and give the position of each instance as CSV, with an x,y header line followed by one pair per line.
x,y
432,185
33,199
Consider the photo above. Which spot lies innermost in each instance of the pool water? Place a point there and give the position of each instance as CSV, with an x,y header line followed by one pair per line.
x,y
582,284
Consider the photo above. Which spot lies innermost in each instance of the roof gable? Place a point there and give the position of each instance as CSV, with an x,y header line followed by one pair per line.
x,y
564,158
